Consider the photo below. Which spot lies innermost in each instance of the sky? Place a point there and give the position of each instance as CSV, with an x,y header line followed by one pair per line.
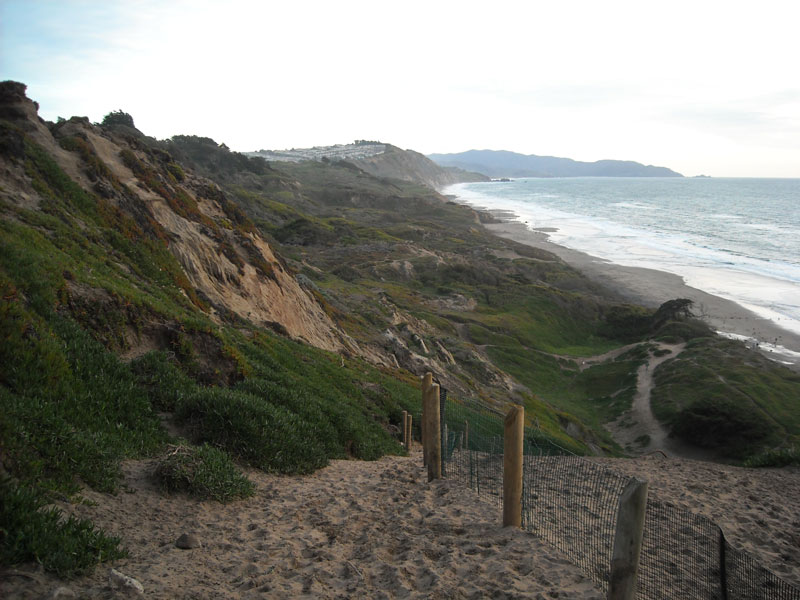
x,y
702,87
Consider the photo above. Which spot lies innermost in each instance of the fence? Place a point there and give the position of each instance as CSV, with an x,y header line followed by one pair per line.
x,y
573,504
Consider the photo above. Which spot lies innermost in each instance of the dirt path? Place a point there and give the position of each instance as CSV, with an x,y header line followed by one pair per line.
x,y
638,430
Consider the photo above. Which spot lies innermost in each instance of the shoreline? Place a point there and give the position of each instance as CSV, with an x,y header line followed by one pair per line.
x,y
651,288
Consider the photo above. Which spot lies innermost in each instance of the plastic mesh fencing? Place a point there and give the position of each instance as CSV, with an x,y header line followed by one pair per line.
x,y
747,579
567,500
472,448
680,555
572,503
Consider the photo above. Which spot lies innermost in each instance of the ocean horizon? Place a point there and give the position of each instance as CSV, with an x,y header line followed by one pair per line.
x,y
736,238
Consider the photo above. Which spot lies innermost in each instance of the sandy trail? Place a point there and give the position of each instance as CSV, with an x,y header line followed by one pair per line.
x,y
638,430
352,530
379,530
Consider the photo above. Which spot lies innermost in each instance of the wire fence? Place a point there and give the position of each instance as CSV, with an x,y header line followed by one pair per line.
x,y
571,502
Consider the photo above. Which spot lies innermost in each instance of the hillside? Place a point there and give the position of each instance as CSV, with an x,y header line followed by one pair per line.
x,y
176,301
502,163
408,165
383,161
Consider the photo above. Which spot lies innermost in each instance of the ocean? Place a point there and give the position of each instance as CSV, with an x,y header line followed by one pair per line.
x,y
735,238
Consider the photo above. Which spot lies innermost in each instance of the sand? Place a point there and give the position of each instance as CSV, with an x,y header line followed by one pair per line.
x,y
352,530
380,530
757,509
651,288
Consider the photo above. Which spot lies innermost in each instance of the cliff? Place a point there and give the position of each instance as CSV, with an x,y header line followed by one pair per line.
x,y
115,180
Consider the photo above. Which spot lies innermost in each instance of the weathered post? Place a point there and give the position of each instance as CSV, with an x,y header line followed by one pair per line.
x,y
405,430
513,434
410,430
628,541
433,434
427,382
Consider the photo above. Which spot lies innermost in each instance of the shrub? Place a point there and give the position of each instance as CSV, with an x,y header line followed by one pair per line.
x,y
166,384
714,422
118,117
66,546
775,457
265,436
204,472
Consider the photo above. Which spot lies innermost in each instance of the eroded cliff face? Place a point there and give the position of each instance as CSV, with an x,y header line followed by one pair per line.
x,y
229,266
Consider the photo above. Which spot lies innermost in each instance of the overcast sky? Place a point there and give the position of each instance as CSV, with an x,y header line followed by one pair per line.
x,y
697,86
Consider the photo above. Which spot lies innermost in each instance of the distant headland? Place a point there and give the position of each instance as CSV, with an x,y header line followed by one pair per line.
x,y
502,163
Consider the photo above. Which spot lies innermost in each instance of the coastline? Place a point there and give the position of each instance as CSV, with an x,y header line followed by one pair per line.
x,y
651,288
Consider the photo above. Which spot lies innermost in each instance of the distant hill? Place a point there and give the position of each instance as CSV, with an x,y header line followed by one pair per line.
x,y
502,163
379,160
408,165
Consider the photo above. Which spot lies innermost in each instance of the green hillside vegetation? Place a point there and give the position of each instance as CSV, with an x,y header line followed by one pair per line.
x,y
347,232
72,409
717,394
535,318
105,341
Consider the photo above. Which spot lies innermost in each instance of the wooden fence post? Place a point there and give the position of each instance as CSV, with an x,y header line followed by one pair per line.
x,y
628,541
433,434
405,430
427,382
410,430
513,435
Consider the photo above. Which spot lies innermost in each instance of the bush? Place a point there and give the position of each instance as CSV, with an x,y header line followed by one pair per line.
x,y
775,457
118,117
265,436
67,546
203,472
159,374
715,422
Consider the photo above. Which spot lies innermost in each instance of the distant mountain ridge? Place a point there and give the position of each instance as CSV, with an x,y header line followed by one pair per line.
x,y
503,163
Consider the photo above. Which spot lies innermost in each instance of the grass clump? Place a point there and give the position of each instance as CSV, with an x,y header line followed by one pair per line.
x,y
31,532
775,457
204,472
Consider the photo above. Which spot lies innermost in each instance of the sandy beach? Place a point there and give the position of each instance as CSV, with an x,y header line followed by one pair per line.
x,y
651,288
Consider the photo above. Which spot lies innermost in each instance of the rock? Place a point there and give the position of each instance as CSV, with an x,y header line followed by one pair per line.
x,y
187,541
62,592
122,583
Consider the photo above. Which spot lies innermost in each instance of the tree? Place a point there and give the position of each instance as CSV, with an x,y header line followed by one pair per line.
x,y
672,310
118,117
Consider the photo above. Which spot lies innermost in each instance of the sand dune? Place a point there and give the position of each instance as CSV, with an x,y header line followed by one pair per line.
x,y
352,530
757,509
380,530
